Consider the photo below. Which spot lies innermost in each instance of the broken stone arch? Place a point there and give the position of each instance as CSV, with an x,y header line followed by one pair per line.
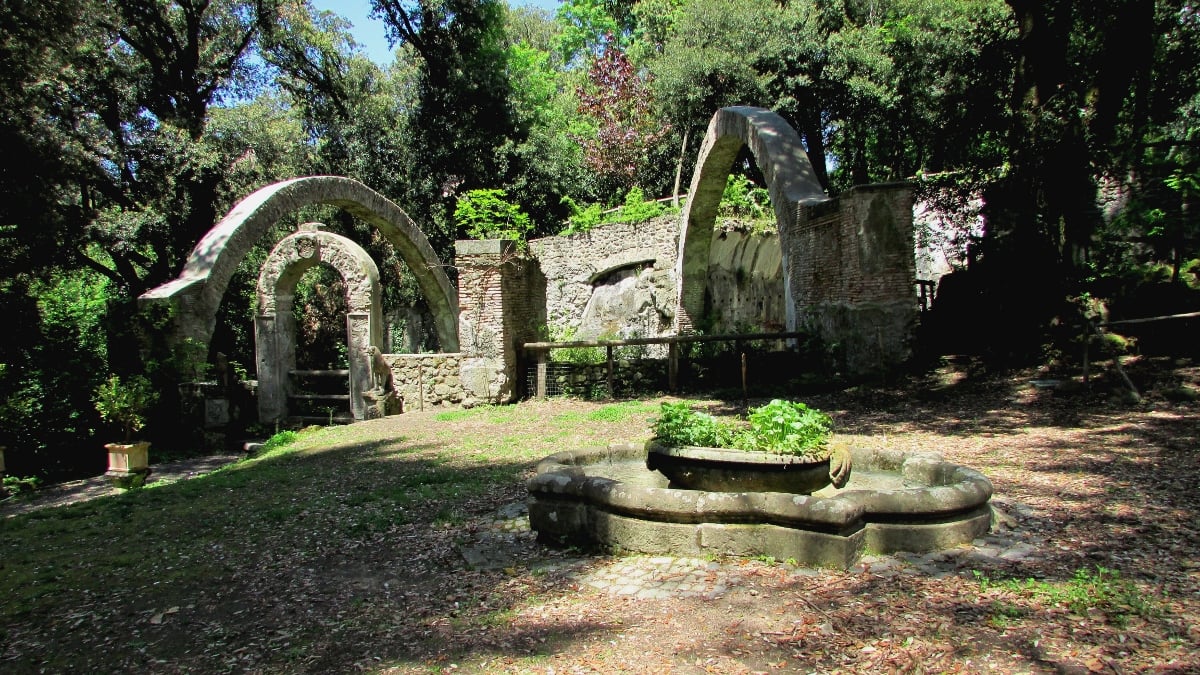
x,y
275,325
791,182
196,294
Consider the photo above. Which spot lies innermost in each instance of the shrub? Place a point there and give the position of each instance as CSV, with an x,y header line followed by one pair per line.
x,y
636,208
742,199
781,427
124,403
582,219
486,214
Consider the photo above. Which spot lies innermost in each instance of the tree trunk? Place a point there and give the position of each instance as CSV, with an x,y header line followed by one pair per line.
x,y
679,168
815,140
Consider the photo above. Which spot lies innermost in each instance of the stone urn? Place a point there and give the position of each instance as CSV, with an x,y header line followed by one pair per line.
x,y
728,470
128,463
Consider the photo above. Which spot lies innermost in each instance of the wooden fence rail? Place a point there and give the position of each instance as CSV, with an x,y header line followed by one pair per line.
x,y
1090,328
543,349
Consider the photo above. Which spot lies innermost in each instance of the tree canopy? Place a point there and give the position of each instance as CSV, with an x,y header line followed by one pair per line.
x,y
129,128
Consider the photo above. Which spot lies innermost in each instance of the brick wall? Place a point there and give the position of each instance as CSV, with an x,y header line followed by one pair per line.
x,y
852,274
501,295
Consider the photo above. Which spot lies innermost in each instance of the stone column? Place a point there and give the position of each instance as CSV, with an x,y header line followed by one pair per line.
x,y
358,340
272,395
500,308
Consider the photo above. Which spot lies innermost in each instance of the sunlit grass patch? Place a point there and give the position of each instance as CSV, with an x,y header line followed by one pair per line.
x,y
1103,589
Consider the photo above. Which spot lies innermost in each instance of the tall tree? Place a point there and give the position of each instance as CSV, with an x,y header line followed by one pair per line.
x,y
463,120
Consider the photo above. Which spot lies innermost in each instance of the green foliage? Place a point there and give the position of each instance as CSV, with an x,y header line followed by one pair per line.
x,y
1102,589
582,219
21,484
190,359
485,214
637,209
590,27
787,428
125,402
279,440
617,412
743,199
463,131
577,355
781,427
712,57
677,424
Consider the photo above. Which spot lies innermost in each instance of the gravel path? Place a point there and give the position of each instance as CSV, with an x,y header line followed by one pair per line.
x,y
70,492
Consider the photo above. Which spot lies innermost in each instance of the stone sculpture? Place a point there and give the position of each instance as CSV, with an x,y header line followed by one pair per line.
x,y
381,399
381,372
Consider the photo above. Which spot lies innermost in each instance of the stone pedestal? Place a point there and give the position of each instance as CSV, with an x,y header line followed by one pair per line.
x,y
128,464
377,404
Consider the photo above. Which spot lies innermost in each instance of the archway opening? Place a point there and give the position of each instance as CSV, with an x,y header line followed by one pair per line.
x,y
320,312
196,295
743,291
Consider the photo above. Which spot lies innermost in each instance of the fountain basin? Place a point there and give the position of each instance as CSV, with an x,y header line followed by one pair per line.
x,y
894,502
726,470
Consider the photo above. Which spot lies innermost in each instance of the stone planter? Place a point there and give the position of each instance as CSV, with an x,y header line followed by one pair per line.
x,y
725,470
128,464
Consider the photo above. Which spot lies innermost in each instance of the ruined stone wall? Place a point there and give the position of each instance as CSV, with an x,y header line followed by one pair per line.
x,y
427,380
501,305
852,274
745,282
640,259
631,377
619,280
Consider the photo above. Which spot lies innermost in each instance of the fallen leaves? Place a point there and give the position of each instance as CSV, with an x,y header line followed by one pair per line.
x,y
344,555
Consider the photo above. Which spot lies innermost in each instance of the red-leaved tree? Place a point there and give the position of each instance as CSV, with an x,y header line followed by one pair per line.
x,y
618,98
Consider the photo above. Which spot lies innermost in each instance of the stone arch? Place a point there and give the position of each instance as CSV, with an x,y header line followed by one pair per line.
x,y
275,326
606,266
197,292
780,156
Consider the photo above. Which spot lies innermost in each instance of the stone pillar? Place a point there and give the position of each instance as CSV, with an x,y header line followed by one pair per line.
x,y
275,355
358,341
501,306
272,394
852,273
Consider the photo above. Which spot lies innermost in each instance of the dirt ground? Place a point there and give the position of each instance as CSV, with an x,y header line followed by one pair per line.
x,y
1102,487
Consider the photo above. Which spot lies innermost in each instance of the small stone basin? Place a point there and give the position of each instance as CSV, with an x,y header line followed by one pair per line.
x,y
894,501
725,470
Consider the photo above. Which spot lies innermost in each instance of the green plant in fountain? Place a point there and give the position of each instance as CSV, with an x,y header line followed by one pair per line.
x,y
788,428
782,427
677,425
125,402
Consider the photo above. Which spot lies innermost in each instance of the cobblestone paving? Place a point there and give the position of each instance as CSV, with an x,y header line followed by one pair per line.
x,y
660,577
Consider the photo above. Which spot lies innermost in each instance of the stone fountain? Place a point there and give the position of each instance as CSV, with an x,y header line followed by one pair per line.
x,y
893,502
